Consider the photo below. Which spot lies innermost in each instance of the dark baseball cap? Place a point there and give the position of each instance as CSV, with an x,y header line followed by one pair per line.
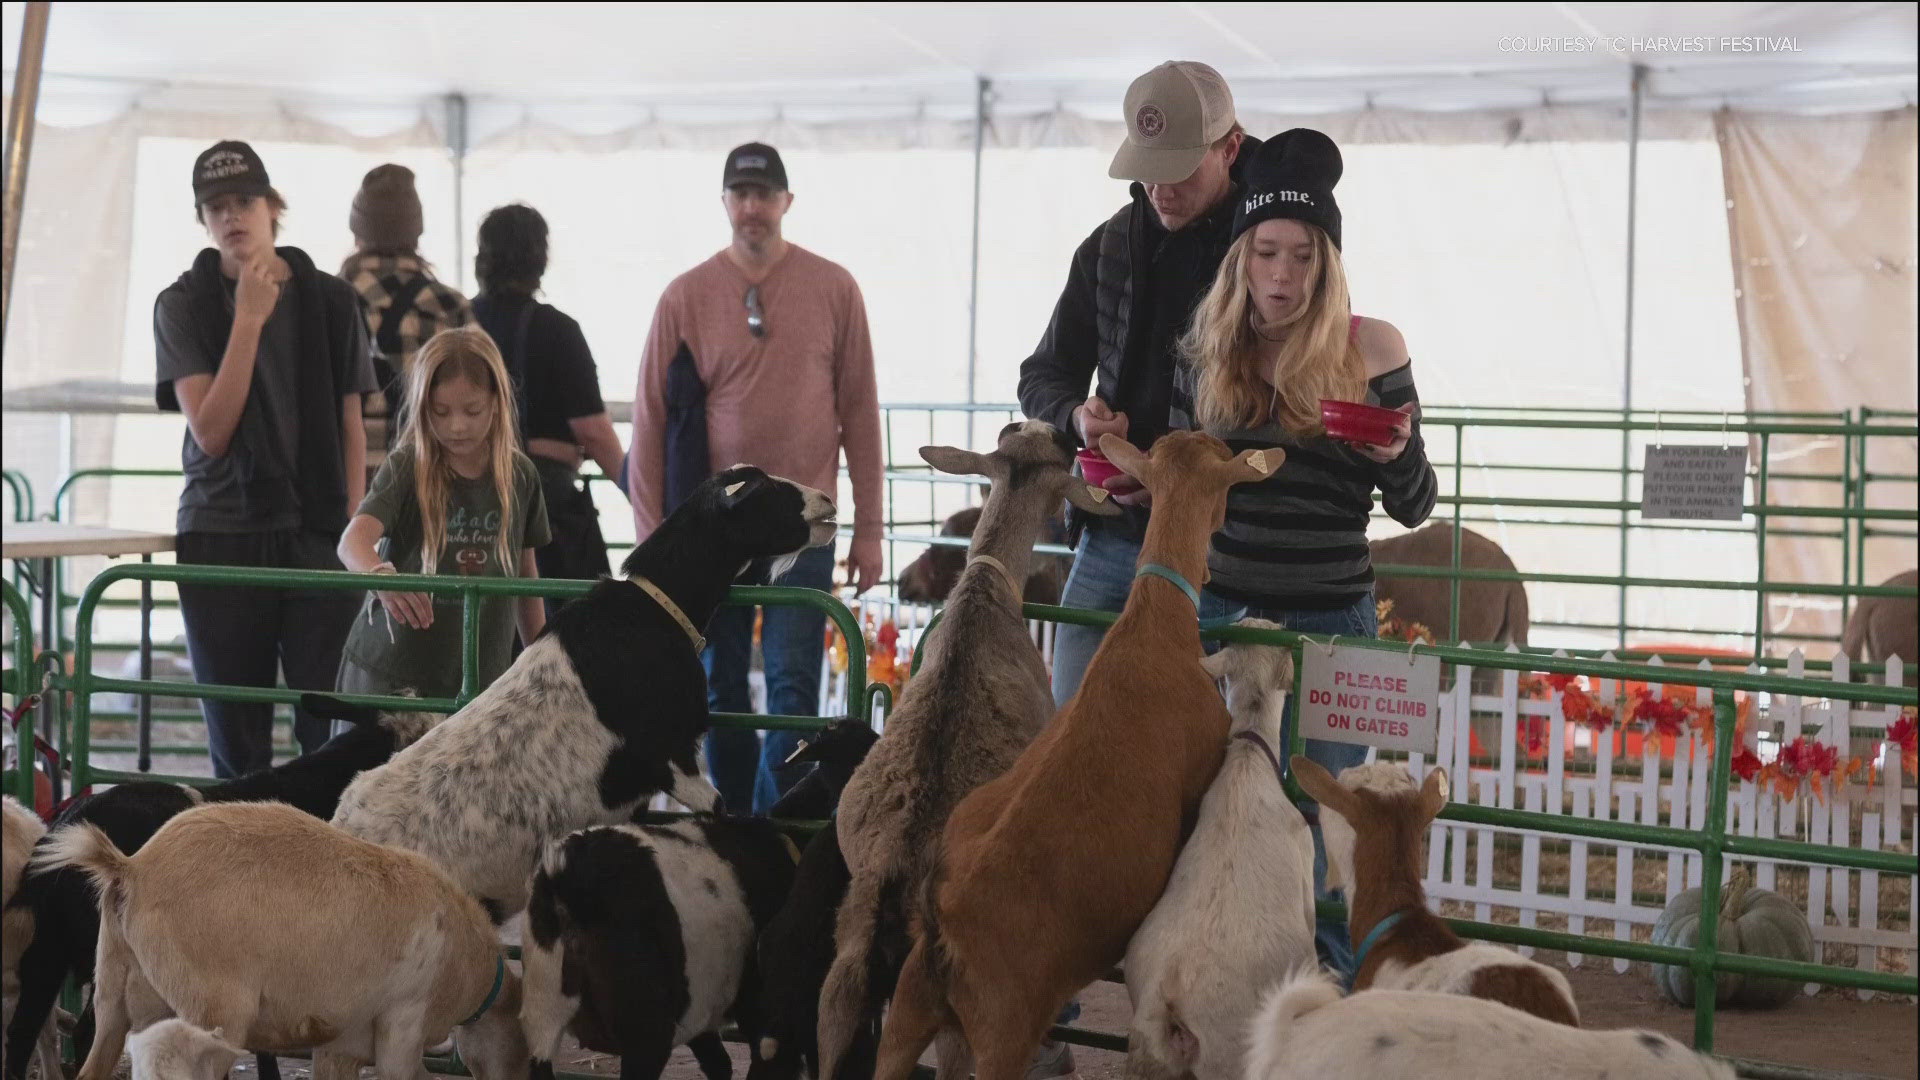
x,y
228,168
755,163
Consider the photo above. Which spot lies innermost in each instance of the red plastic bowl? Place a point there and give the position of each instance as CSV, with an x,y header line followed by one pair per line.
x,y
1095,469
1353,422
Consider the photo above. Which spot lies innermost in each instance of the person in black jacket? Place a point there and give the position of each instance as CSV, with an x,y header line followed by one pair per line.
x,y
1130,292
268,358
563,420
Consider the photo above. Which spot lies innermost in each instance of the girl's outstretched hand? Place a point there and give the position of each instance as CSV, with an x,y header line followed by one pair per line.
x,y
413,609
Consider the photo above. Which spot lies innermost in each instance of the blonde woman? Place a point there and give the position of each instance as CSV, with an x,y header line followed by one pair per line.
x,y
1272,337
454,497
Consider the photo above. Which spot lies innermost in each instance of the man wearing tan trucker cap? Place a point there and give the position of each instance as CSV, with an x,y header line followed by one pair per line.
x,y
1131,289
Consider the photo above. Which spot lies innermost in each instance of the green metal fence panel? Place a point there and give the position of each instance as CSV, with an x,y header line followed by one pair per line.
x,y
84,683
22,490
1854,520
1704,959
20,685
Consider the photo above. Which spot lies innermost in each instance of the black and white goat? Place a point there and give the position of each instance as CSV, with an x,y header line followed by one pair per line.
x,y
59,905
602,711
640,939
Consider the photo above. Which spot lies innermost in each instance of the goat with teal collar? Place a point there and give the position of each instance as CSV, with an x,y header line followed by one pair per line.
x,y
1373,818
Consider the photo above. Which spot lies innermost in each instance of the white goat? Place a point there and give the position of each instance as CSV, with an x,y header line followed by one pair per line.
x,y
1240,903
173,1049
1306,1031
1372,820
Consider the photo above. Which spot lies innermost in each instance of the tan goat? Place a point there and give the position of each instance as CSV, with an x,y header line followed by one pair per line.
x,y
1045,873
285,933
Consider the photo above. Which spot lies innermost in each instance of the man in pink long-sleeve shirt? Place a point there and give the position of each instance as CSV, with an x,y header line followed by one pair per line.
x,y
778,337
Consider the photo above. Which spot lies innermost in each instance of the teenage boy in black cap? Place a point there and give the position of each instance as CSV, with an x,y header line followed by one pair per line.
x,y
760,354
268,358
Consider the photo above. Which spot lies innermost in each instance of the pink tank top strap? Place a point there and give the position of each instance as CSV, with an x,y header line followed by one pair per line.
x,y
1353,327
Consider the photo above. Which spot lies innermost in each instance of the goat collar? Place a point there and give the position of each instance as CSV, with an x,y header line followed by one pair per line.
x,y
1185,586
1273,759
1005,574
499,979
1380,930
667,605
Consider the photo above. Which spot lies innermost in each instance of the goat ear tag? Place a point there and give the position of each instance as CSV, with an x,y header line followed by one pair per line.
x,y
1099,494
1258,459
1445,785
797,751
734,488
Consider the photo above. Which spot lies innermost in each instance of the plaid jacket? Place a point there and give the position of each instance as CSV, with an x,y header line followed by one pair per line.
x,y
435,306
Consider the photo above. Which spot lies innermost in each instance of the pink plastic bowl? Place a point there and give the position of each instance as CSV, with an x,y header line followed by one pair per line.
x,y
1353,422
1095,469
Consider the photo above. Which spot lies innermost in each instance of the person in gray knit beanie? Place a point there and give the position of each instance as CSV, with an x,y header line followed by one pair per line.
x,y
405,303
386,218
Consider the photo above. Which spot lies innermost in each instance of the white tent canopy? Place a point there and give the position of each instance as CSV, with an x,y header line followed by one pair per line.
x,y
1492,172
371,66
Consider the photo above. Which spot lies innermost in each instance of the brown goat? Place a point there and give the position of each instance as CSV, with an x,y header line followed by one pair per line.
x,y
1489,610
929,578
1372,820
1045,872
1884,626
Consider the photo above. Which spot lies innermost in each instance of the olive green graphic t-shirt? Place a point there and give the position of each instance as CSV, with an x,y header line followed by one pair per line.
x,y
429,660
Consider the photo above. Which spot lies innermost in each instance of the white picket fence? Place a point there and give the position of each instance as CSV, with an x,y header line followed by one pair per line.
x,y
1590,783
1461,858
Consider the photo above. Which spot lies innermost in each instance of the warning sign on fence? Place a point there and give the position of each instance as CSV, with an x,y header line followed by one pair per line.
x,y
1694,483
1370,697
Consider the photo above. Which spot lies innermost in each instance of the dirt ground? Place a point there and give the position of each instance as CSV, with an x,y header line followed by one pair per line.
x,y
1830,1031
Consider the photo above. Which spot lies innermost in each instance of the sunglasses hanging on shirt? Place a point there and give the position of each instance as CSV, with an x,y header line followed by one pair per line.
x,y
756,318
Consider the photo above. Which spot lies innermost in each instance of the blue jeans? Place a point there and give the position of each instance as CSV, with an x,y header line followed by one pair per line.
x,y
1101,578
792,645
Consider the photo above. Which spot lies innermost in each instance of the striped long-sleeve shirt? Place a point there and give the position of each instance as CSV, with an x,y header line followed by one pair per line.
x,y
1298,539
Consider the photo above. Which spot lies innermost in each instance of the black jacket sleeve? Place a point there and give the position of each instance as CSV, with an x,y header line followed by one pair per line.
x,y
1054,380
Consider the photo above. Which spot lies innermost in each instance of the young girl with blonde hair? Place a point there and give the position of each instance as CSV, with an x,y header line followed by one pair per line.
x,y
1273,336
454,497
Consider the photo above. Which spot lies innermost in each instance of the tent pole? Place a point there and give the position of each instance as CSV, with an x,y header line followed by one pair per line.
x,y
1638,77
982,87
20,120
457,145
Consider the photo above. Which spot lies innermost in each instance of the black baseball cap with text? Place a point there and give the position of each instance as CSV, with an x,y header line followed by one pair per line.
x,y
229,168
755,163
